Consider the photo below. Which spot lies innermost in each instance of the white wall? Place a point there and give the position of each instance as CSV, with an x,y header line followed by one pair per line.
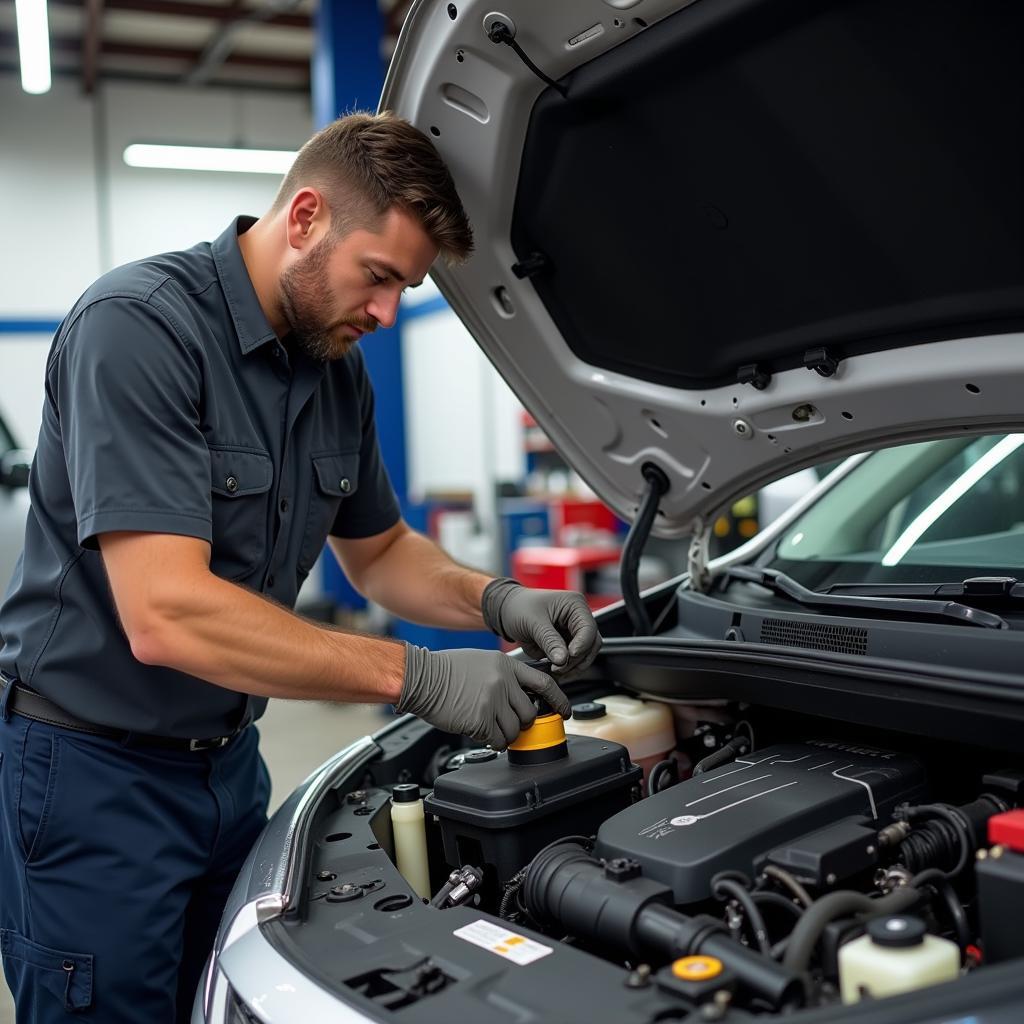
x,y
71,209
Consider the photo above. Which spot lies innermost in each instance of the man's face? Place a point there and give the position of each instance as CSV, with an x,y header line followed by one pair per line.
x,y
345,288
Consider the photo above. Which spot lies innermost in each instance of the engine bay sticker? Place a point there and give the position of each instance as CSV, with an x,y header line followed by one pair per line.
x,y
517,948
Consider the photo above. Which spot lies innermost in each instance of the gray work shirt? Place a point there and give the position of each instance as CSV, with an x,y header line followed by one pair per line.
x,y
172,407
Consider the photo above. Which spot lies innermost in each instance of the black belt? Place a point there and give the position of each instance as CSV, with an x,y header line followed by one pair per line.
x,y
30,704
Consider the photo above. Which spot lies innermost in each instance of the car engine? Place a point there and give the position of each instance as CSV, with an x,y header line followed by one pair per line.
x,y
772,878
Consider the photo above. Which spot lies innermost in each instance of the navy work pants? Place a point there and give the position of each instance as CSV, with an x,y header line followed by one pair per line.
x,y
115,863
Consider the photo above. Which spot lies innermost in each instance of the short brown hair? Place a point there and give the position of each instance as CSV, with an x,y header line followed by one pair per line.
x,y
365,164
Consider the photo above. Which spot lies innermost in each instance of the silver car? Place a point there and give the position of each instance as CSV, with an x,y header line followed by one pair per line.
x,y
717,241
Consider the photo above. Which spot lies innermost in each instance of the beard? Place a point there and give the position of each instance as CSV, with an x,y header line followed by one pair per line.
x,y
305,298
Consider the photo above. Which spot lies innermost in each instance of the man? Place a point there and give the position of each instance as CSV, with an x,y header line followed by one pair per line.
x,y
208,423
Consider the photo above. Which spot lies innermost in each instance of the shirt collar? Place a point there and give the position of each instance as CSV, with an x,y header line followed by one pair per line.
x,y
251,325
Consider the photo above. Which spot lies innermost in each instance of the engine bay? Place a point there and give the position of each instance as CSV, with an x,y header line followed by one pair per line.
x,y
761,866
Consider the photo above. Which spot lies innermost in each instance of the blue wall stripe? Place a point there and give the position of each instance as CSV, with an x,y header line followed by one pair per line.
x,y
28,326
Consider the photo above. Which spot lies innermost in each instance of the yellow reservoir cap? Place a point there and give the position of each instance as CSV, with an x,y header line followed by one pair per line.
x,y
546,731
697,968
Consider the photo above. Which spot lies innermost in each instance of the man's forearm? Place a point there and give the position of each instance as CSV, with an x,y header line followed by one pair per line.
x,y
416,580
240,640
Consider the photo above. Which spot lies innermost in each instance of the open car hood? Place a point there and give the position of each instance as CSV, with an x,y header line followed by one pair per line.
x,y
734,237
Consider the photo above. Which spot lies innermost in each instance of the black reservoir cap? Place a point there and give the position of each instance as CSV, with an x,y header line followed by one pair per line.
x,y
899,930
405,793
588,710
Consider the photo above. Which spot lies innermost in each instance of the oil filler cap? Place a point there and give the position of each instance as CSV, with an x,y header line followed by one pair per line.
x,y
899,931
697,968
588,710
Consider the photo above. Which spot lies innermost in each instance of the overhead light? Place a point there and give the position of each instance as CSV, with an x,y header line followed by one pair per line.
x,y
33,45
953,493
210,158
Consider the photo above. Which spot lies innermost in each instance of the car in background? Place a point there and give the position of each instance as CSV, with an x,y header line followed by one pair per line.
x,y
14,470
718,242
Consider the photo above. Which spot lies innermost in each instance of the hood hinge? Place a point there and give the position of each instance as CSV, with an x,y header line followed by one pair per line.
x,y
697,557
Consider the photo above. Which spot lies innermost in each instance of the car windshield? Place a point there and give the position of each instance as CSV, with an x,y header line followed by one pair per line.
x,y
933,512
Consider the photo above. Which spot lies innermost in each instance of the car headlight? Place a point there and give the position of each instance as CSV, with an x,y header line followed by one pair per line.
x,y
238,1012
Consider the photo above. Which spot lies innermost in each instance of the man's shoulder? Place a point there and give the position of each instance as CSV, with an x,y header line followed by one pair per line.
x,y
174,275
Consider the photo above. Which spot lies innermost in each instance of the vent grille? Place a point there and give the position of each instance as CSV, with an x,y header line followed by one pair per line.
x,y
816,636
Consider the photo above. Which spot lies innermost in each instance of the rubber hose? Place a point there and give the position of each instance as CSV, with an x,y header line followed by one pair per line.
x,y
808,929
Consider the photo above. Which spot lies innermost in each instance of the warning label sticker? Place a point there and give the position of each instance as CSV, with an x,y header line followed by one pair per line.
x,y
517,948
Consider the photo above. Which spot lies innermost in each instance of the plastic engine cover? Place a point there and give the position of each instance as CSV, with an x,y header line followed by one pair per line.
x,y
729,818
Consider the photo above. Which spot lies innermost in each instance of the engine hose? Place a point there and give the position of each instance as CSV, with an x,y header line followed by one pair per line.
x,y
948,835
735,891
663,774
784,878
619,910
820,913
776,899
723,755
629,567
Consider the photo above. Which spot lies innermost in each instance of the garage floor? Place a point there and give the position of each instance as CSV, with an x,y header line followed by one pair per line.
x,y
296,737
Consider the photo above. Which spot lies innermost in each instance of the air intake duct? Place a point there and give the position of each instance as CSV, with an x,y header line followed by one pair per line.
x,y
613,905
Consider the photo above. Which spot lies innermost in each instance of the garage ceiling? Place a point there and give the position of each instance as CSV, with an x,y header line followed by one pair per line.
x,y
264,44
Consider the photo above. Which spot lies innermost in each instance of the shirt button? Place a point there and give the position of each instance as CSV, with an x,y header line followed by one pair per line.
x,y
284,504
345,485
231,484
270,581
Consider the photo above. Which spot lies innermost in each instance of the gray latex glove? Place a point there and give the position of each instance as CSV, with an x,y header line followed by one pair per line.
x,y
544,622
480,694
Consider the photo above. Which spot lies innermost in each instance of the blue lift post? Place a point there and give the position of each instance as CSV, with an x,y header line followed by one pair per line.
x,y
348,75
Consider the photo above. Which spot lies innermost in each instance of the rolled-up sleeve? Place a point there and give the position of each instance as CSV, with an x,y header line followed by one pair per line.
x,y
373,507
127,388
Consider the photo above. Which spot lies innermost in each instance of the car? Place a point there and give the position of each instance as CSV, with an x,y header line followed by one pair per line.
x,y
718,242
14,470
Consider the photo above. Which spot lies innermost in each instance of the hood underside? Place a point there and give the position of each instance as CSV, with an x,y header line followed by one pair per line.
x,y
735,237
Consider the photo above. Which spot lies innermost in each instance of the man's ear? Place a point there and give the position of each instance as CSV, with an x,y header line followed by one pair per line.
x,y
307,214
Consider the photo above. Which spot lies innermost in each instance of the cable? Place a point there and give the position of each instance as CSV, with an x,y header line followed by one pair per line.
x,y
629,568
783,877
499,32
736,891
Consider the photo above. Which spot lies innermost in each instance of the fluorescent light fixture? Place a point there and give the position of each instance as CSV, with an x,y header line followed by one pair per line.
x,y
33,45
953,493
210,158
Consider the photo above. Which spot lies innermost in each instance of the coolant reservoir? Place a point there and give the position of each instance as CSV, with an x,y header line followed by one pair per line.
x,y
896,955
644,727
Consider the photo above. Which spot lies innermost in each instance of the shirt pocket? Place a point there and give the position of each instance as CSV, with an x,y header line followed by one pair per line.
x,y
335,478
240,482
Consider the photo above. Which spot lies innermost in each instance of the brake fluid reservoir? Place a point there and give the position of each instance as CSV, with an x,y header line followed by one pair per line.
x,y
896,955
644,727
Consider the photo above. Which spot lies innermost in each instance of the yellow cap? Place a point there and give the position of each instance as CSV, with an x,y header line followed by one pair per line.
x,y
546,731
697,968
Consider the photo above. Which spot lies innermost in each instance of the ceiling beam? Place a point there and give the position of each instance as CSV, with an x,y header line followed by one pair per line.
x,y
92,42
73,44
185,9
218,49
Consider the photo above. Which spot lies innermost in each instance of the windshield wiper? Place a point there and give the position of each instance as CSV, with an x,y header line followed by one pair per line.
x,y
998,588
934,607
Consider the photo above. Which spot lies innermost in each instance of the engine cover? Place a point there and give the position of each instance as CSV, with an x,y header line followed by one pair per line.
x,y
729,818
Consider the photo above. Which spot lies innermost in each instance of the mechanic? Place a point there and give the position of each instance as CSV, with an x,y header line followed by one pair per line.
x,y
208,424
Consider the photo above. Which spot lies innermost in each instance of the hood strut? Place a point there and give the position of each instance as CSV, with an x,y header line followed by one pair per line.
x,y
629,568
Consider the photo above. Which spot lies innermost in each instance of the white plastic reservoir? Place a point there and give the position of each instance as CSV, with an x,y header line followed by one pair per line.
x,y
644,727
896,955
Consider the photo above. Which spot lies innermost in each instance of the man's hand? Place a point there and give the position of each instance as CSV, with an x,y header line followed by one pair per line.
x,y
543,621
480,694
